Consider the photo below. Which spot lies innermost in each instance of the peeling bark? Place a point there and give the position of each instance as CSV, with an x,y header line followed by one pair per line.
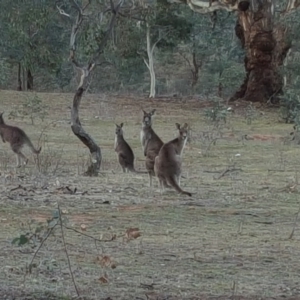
x,y
264,41
266,47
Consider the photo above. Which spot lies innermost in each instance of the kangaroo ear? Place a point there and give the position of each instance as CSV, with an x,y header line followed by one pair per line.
x,y
153,112
185,125
143,111
177,126
121,125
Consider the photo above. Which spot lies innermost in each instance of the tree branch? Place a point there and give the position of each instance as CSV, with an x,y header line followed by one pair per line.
x,y
85,72
291,5
114,11
207,6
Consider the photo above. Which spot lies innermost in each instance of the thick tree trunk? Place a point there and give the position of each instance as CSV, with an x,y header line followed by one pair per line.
x,y
85,138
266,47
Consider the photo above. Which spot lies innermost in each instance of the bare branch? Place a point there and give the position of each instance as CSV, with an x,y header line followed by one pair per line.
x,y
291,6
62,12
146,63
114,11
207,6
185,58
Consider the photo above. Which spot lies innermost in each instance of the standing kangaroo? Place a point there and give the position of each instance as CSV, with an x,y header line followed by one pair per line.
x,y
151,143
168,162
17,138
124,151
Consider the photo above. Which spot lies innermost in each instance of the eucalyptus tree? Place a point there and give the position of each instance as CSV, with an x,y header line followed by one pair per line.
x,y
81,14
31,37
148,26
264,36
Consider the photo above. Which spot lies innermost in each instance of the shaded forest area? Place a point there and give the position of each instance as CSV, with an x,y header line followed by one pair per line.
x,y
187,52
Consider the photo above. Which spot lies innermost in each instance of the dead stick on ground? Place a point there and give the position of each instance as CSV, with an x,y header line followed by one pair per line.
x,y
38,249
228,170
66,250
95,239
295,223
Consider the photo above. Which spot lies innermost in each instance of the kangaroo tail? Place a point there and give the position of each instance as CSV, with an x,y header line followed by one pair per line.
x,y
175,185
35,151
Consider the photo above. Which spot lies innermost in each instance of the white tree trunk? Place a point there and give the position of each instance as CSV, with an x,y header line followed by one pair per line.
x,y
150,63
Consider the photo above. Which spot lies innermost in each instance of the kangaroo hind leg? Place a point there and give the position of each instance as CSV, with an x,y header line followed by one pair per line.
x,y
20,156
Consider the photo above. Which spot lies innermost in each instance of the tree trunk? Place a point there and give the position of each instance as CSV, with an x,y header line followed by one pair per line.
x,y
76,127
29,80
24,86
19,88
85,138
150,65
195,69
265,49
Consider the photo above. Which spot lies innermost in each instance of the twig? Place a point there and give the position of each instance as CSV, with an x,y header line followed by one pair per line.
x,y
38,249
295,223
66,250
213,141
228,170
95,239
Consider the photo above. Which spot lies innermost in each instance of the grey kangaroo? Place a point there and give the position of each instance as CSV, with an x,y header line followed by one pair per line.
x,y
17,138
168,162
151,143
124,151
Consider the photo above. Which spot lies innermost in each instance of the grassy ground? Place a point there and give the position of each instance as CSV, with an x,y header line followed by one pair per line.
x,y
231,239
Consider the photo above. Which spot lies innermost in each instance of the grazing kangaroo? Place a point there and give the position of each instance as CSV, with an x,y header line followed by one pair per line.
x,y
17,138
124,151
151,143
168,162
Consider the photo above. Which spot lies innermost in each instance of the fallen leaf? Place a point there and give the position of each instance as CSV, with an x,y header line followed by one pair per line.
x,y
104,261
103,279
132,233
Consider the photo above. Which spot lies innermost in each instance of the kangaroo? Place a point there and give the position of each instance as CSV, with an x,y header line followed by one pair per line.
x,y
168,162
151,143
17,138
124,151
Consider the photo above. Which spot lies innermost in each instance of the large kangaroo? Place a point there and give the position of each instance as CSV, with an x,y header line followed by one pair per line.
x,y
168,162
151,143
17,138
124,151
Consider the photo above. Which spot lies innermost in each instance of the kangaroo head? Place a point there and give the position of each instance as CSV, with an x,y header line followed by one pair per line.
x,y
183,131
119,130
147,118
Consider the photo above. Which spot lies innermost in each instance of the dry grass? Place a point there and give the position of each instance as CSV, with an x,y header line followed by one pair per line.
x,y
230,239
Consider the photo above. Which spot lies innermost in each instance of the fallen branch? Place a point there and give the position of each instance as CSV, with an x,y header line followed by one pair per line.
x,y
228,170
66,250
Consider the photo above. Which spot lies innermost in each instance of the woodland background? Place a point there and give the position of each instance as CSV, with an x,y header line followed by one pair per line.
x,y
192,56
